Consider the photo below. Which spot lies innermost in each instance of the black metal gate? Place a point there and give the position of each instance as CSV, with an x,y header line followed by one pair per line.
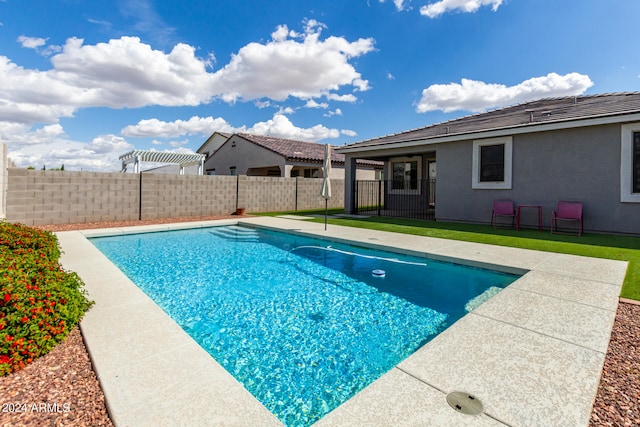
x,y
407,199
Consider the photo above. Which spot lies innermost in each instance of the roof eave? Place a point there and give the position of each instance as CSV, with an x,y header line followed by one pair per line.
x,y
497,132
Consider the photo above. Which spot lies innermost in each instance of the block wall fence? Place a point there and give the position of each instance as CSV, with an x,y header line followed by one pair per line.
x,y
4,164
36,197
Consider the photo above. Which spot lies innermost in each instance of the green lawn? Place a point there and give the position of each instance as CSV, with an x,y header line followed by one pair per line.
x,y
625,248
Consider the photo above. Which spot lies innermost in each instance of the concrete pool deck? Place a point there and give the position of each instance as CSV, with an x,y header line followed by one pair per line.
x,y
532,354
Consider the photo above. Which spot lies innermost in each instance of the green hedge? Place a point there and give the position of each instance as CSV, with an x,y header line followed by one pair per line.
x,y
40,303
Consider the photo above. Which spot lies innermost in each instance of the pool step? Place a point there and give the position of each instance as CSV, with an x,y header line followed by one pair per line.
x,y
236,233
482,298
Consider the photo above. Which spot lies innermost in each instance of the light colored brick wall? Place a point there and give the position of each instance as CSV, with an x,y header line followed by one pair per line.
x,y
272,194
4,164
65,197
170,196
309,194
266,194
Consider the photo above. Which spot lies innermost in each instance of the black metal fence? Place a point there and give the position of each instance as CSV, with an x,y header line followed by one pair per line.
x,y
408,199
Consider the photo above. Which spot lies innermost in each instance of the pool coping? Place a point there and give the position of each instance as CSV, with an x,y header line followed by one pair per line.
x,y
532,355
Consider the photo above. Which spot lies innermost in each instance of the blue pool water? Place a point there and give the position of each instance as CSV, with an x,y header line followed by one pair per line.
x,y
302,323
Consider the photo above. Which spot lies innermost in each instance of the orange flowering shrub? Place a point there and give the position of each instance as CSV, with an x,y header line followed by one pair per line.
x,y
39,302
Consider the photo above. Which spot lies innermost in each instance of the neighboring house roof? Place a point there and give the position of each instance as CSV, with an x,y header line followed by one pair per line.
x,y
222,135
542,114
301,151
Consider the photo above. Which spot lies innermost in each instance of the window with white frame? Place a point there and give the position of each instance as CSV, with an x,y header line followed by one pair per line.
x,y
630,163
491,167
405,173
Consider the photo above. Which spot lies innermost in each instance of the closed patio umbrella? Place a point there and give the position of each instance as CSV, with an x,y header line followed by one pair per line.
x,y
326,181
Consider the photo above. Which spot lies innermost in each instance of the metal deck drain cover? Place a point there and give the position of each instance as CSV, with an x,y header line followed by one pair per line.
x,y
464,403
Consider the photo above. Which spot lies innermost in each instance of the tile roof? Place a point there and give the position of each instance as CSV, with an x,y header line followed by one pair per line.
x,y
303,151
543,111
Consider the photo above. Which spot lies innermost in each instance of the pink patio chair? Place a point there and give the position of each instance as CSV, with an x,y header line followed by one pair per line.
x,y
503,208
570,212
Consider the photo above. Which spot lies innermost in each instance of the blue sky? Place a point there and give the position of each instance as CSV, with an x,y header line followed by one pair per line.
x,y
82,82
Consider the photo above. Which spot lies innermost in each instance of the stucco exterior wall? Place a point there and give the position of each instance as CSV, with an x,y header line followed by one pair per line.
x,y
243,155
362,173
249,158
580,164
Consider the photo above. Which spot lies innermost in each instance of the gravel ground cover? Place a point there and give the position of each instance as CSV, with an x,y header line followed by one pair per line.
x,y
58,389
618,399
61,388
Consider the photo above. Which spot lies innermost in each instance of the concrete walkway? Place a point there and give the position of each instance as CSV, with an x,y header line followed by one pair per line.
x,y
532,355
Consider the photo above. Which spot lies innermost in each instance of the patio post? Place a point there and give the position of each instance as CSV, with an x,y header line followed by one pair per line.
x,y
379,196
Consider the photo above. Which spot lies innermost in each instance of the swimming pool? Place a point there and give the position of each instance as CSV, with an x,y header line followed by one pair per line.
x,y
302,323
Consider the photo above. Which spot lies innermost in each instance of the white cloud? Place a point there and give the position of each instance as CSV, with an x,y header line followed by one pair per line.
x,y
286,110
441,7
30,96
19,135
278,126
105,25
348,132
336,112
118,74
31,42
313,104
281,127
126,73
195,125
178,144
343,98
50,147
400,4
311,26
292,65
477,96
36,43
106,144
281,33
262,104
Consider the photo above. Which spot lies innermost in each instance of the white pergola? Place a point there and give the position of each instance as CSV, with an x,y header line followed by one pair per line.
x,y
183,160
